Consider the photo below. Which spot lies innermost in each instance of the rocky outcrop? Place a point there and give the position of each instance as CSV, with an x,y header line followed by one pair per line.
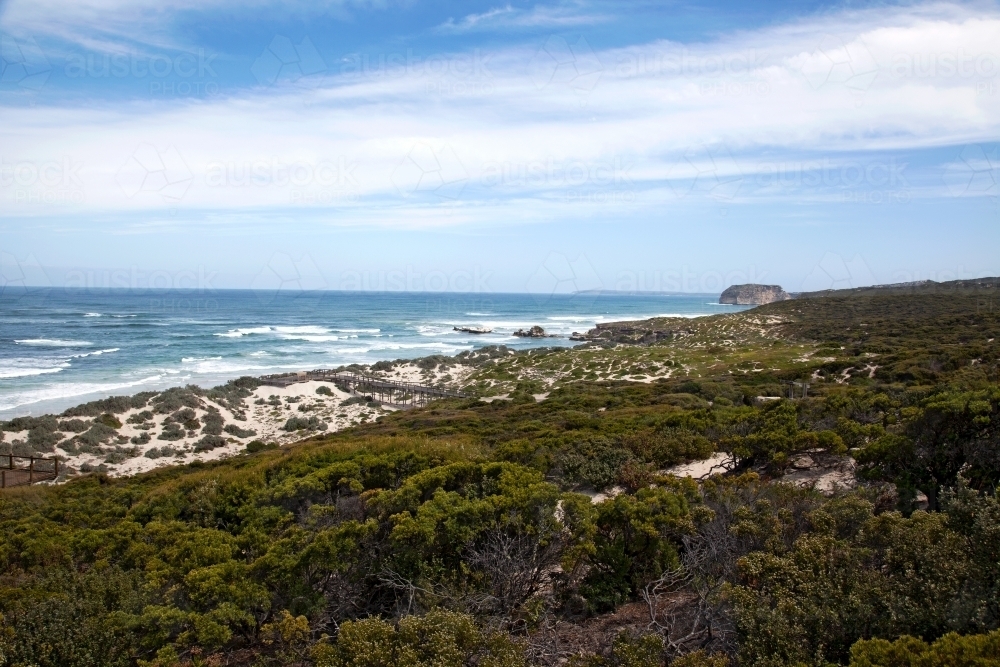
x,y
643,332
473,330
534,332
753,295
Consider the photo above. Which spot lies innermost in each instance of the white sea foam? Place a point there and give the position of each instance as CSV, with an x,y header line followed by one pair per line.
x,y
12,369
310,338
218,365
237,333
53,342
95,353
284,332
91,314
68,390
306,329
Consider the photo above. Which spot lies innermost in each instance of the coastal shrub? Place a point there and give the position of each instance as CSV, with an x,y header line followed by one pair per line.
x,y
73,425
213,422
255,446
97,434
155,453
595,462
43,440
235,430
176,398
437,639
948,651
140,417
115,458
140,439
209,442
323,390
171,431
368,401
108,420
292,399
231,394
300,423
114,405
382,366
44,423
72,618
21,448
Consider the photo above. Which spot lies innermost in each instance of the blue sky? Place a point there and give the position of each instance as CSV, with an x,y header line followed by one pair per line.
x,y
487,146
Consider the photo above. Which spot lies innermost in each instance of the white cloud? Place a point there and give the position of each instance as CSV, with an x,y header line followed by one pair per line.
x,y
116,26
508,17
517,151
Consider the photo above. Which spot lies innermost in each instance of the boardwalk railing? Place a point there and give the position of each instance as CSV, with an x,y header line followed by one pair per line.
x,y
390,392
38,469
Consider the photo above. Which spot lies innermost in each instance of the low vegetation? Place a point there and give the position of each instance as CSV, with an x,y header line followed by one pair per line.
x,y
551,532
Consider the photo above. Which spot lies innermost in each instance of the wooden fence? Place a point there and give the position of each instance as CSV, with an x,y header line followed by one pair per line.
x,y
39,469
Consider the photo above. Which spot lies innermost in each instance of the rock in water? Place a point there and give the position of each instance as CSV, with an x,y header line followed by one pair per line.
x,y
534,332
753,295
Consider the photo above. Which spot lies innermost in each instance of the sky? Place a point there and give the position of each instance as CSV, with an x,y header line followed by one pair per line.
x,y
495,146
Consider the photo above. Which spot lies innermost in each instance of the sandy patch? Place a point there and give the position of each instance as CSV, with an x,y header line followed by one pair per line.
x,y
719,462
267,411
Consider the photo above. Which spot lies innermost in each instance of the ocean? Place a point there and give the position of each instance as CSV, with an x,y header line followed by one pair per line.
x,y
61,347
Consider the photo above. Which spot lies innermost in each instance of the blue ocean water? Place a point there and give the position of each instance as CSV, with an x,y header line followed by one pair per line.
x,y
61,347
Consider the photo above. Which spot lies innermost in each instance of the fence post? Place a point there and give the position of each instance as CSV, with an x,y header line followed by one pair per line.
x,y
55,462
31,470
3,479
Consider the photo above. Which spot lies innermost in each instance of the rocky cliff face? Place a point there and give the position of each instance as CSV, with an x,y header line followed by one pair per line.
x,y
753,295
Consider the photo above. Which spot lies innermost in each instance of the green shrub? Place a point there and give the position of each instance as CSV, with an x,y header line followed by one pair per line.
x,y
951,650
233,429
255,446
439,639
172,431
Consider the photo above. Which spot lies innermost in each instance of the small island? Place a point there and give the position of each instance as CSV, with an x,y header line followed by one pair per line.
x,y
473,330
753,295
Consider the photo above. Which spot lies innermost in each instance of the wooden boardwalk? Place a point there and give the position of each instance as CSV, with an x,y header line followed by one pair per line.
x,y
389,392
38,469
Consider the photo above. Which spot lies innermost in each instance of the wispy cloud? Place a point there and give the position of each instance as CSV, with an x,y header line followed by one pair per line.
x,y
117,26
508,17
533,133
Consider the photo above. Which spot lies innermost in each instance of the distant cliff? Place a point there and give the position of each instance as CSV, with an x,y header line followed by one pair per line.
x,y
753,295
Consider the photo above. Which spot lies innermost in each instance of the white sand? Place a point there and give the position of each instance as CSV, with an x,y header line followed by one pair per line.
x,y
265,419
